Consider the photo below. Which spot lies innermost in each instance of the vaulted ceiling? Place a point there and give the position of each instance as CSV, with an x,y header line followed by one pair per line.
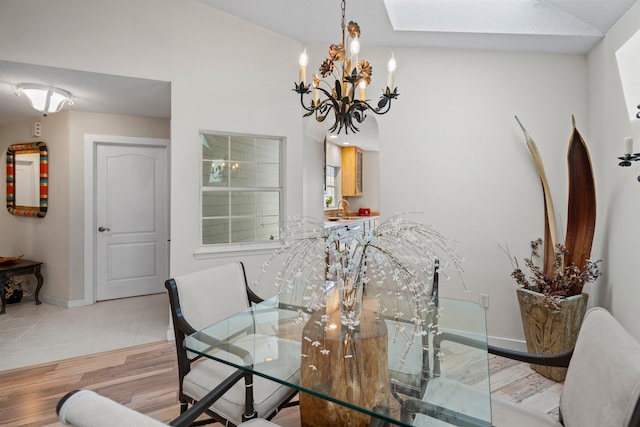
x,y
563,26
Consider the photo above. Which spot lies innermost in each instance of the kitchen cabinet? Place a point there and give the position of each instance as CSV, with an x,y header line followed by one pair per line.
x,y
352,165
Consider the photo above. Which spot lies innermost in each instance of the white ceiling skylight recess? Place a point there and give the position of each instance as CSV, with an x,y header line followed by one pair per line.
x,y
525,17
628,58
561,26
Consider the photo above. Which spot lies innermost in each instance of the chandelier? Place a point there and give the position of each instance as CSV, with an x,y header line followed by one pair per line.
x,y
349,106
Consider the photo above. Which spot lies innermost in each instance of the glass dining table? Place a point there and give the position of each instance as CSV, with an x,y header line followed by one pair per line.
x,y
384,371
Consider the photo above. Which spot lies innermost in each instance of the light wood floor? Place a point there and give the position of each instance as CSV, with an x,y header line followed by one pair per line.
x,y
145,378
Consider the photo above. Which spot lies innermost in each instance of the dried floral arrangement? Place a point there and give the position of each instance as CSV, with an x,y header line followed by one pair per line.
x,y
566,280
567,267
393,263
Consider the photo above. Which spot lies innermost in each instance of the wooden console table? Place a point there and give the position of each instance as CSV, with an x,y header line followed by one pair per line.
x,y
21,267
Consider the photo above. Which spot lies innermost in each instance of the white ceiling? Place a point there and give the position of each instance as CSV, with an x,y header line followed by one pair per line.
x,y
551,26
92,92
562,26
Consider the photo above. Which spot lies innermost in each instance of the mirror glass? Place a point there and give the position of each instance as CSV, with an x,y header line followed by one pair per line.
x,y
27,179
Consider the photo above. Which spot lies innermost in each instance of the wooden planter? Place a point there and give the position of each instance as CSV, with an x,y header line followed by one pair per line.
x,y
548,330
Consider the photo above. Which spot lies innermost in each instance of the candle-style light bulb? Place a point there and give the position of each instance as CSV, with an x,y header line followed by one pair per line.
x,y
304,60
362,85
628,145
354,48
391,68
316,94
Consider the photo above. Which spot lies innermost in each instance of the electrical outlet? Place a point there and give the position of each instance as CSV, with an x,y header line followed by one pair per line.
x,y
37,129
484,300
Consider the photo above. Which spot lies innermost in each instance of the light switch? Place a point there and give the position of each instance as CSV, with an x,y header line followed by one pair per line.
x,y
37,129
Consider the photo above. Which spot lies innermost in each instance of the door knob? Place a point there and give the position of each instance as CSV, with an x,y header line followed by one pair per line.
x,y
103,229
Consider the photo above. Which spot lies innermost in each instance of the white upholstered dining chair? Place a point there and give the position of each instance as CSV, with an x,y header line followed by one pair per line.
x,y
201,299
602,386
86,408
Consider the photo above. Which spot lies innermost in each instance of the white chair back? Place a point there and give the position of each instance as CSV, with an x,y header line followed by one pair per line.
x,y
86,408
211,295
602,386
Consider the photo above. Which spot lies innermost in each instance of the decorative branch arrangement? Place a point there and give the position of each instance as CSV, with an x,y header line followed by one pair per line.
x,y
393,263
566,267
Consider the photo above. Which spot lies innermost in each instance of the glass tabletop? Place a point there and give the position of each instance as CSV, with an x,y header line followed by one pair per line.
x,y
410,372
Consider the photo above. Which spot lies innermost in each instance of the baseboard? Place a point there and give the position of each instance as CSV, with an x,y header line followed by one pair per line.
x,y
64,303
508,343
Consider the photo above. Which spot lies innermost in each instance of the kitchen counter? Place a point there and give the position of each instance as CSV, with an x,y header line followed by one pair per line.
x,y
352,220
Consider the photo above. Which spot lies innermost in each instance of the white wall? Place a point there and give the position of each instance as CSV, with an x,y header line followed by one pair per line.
x,y
617,241
450,146
371,176
226,75
58,239
41,239
452,149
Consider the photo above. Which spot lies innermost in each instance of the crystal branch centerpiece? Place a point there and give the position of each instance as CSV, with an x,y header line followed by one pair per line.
x,y
393,264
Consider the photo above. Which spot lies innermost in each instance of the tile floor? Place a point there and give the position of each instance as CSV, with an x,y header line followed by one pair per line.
x,y
31,334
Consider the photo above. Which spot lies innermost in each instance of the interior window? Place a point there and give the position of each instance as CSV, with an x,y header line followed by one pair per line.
x,y
330,187
241,188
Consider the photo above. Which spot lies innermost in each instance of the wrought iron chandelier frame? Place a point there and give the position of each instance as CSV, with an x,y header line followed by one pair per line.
x,y
342,101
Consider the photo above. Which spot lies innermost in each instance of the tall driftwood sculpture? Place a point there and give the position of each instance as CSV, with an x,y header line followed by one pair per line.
x,y
550,234
581,206
581,215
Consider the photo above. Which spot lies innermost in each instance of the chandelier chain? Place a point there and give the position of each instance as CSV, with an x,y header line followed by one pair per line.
x,y
343,6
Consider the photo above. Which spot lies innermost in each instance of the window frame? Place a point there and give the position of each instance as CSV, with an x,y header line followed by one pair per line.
x,y
334,186
258,246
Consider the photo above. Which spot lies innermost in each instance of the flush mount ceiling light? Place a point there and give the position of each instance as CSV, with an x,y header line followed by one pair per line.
x,y
346,97
45,99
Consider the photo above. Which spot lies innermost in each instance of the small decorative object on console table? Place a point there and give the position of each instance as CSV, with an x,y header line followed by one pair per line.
x,y
19,267
552,303
15,289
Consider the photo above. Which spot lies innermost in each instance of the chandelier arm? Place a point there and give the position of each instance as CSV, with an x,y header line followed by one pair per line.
x,y
375,110
328,94
335,104
329,98
310,110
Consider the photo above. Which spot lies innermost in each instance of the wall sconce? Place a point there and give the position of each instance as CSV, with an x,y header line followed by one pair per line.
x,y
629,155
45,99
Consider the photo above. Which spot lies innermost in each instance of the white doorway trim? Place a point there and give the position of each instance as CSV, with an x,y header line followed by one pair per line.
x,y
90,144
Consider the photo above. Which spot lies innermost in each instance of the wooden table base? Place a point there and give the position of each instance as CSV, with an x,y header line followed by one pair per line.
x,y
355,369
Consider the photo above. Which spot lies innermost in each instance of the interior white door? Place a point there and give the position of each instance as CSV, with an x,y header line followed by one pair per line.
x,y
132,220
